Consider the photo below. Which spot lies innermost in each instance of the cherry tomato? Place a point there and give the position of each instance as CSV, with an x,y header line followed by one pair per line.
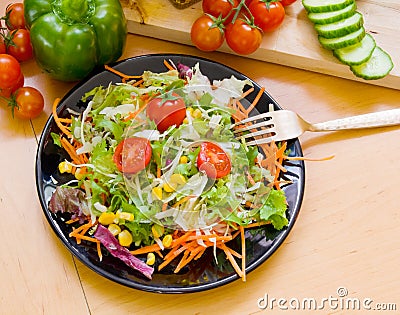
x,y
166,111
285,3
3,48
213,160
220,8
21,48
242,37
268,15
27,103
10,75
132,155
206,35
15,16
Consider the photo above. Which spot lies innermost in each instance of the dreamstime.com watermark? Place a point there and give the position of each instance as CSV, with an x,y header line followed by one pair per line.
x,y
339,301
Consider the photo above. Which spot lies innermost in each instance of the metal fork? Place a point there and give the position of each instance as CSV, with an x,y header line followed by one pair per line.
x,y
284,125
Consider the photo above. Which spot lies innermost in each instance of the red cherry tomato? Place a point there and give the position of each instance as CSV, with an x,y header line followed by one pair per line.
x,y
22,47
220,8
242,37
11,75
3,48
285,3
213,160
27,103
267,15
132,155
166,111
206,35
15,16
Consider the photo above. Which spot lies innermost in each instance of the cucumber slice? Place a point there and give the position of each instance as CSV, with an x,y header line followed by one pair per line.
x,y
333,16
377,67
342,27
343,41
325,5
358,53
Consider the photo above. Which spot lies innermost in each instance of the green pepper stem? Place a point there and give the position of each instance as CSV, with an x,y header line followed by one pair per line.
x,y
74,11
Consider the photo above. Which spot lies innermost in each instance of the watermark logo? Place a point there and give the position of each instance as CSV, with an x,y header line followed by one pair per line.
x,y
339,301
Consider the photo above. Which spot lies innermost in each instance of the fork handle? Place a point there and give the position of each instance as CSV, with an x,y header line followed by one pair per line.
x,y
372,120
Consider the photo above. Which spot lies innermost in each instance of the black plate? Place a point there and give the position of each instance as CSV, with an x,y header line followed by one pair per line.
x,y
203,274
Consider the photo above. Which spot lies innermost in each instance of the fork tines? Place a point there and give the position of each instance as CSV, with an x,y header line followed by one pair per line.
x,y
261,128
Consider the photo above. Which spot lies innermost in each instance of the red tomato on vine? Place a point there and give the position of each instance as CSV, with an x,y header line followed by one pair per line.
x,y
220,8
242,37
268,14
15,16
285,3
20,45
206,34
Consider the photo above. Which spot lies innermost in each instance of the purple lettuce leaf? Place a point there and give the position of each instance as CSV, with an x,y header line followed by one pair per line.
x,y
71,200
111,243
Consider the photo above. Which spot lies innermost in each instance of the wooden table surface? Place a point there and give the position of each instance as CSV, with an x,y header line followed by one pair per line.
x,y
345,239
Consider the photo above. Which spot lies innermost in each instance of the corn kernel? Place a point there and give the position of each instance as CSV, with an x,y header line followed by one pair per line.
x,y
151,259
157,230
157,192
185,121
197,113
114,229
125,216
65,167
125,238
189,110
79,174
168,188
167,240
177,179
183,160
106,218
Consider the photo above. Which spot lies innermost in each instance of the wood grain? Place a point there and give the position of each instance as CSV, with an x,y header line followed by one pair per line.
x,y
294,44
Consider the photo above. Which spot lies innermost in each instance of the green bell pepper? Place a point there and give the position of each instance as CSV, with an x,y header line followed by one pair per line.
x,y
71,37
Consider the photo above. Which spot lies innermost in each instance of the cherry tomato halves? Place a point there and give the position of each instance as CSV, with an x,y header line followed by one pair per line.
x,y
213,160
132,155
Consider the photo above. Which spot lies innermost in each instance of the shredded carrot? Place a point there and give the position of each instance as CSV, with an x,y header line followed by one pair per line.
x,y
98,245
243,241
146,249
232,260
301,158
71,151
246,93
168,65
257,224
255,101
137,112
72,221
122,75
57,119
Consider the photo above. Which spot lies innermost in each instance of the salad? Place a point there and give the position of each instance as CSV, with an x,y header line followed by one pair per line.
x,y
160,177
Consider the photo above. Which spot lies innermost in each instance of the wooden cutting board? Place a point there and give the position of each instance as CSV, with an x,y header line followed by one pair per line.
x,y
294,44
